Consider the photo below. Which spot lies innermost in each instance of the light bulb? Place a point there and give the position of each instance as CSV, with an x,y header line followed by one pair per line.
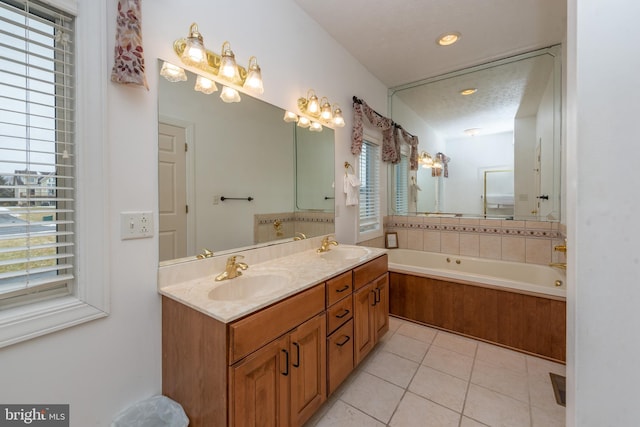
x,y
229,95
313,107
228,67
338,120
290,117
304,122
253,81
325,112
205,85
173,73
194,52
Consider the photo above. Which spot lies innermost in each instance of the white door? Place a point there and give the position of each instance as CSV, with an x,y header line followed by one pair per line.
x,y
172,172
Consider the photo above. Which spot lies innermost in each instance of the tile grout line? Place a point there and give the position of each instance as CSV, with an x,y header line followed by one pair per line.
x,y
466,393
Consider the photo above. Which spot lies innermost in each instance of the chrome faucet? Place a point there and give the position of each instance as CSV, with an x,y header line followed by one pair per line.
x,y
232,269
326,242
299,236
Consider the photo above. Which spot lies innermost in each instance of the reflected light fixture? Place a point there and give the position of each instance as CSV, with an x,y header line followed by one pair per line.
x,y
253,81
205,85
447,39
472,131
425,160
229,94
173,73
194,52
469,91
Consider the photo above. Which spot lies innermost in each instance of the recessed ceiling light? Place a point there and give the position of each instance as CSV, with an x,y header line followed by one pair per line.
x,y
448,39
472,131
469,91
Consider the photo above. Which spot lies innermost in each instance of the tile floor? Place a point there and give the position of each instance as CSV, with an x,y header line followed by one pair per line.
x,y
420,376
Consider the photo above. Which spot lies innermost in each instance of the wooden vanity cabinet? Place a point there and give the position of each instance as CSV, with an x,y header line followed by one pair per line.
x,y
370,306
283,383
274,367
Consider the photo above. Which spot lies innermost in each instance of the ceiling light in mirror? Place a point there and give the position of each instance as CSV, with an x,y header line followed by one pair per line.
x,y
472,131
448,39
467,92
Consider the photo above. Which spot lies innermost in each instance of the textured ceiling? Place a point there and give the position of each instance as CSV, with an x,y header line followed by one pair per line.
x,y
396,42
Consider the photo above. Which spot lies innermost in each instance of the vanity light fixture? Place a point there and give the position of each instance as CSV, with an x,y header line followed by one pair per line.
x,y
338,120
194,52
173,73
469,91
205,85
447,39
290,117
304,122
229,94
320,112
315,127
218,68
253,81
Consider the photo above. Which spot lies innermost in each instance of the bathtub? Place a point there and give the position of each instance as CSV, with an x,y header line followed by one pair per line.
x,y
515,305
515,276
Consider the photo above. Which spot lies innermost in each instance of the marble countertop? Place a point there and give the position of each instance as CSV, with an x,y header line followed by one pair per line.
x,y
298,271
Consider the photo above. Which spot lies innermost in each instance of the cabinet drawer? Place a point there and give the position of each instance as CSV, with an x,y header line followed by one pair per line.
x,y
339,313
369,271
339,287
252,332
339,356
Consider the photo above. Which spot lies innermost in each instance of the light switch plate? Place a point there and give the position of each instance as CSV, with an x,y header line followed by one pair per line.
x,y
136,225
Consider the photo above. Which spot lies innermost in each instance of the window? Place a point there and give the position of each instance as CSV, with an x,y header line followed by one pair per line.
x,y
40,163
36,152
369,164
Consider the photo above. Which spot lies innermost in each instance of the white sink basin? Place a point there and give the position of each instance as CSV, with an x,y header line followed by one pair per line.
x,y
345,253
250,287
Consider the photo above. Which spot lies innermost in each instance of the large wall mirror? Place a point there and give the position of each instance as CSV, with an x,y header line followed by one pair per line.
x,y
233,175
501,139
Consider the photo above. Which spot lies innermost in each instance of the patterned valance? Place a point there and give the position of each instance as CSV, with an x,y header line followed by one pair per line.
x,y
391,133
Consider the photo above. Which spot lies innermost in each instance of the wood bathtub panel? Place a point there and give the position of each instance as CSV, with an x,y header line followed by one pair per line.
x,y
524,322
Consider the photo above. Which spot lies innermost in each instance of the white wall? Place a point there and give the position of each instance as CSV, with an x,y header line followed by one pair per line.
x,y
523,161
602,217
102,367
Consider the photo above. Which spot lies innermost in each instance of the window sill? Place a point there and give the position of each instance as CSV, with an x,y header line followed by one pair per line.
x,y
36,319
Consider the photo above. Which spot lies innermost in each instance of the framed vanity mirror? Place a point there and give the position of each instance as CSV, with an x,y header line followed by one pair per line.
x,y
501,140
242,181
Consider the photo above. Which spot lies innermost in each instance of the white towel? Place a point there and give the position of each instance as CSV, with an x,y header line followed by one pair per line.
x,y
351,189
414,188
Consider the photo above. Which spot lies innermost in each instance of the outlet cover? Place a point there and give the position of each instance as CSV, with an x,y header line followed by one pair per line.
x,y
136,225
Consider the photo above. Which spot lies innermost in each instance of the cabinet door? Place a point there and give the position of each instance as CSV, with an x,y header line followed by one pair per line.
x,y
308,369
259,387
340,356
381,289
363,317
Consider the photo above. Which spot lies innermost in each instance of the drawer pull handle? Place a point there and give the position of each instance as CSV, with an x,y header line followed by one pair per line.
x,y
346,340
340,316
286,355
343,288
297,346
377,295
375,298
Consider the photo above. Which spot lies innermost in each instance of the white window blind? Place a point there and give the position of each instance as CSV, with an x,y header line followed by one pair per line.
x,y
369,187
401,187
36,151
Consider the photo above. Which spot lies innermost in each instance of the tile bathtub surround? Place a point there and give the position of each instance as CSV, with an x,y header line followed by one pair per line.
x,y
520,241
421,376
